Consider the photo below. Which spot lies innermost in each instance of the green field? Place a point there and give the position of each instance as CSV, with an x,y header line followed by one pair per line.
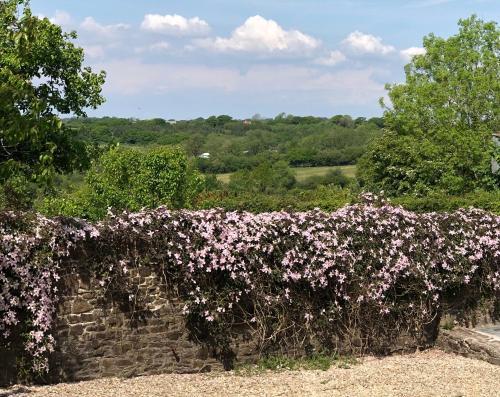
x,y
302,173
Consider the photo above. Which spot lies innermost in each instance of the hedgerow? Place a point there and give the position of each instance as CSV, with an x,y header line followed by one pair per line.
x,y
331,198
364,274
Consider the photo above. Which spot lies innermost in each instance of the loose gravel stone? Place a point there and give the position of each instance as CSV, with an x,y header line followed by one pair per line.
x,y
429,373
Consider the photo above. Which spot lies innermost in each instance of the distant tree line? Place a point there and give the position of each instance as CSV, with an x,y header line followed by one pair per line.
x,y
234,145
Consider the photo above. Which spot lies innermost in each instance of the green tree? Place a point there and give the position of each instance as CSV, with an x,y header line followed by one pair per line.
x,y
41,77
334,177
440,123
128,179
266,178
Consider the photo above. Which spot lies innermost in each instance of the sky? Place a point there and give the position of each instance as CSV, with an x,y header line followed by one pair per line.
x,y
183,59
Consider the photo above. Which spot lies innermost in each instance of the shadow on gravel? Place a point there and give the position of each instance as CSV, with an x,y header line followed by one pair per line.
x,y
15,391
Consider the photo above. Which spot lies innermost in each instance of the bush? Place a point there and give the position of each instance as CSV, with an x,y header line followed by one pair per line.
x,y
327,198
401,165
333,177
361,276
17,193
331,198
435,201
127,179
267,178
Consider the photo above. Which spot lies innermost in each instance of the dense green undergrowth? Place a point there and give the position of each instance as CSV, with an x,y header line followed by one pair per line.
x,y
326,198
330,198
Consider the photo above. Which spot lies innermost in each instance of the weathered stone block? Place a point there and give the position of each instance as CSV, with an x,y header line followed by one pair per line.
x,y
76,330
80,306
94,328
64,308
174,335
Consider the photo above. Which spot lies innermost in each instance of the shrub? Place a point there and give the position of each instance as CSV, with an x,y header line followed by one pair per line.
x,y
333,177
326,198
331,198
267,178
436,201
127,179
17,192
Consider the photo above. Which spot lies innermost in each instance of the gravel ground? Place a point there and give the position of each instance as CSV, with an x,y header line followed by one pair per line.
x,y
430,373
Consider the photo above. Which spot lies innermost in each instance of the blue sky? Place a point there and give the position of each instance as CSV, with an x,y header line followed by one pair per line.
x,y
186,59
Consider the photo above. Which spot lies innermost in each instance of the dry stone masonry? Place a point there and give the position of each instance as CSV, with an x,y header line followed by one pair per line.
x,y
96,339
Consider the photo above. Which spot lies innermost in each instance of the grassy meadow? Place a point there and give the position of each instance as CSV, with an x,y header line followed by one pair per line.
x,y
302,173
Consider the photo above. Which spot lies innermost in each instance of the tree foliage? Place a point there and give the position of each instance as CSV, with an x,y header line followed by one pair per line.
x,y
242,144
128,179
442,118
333,177
41,77
266,178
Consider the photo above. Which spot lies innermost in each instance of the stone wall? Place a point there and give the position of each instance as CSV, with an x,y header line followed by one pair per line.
x,y
99,339
113,336
119,336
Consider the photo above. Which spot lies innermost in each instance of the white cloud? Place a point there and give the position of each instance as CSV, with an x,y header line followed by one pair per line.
x,y
409,53
175,25
130,77
332,59
61,18
91,25
161,46
367,44
262,35
94,51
